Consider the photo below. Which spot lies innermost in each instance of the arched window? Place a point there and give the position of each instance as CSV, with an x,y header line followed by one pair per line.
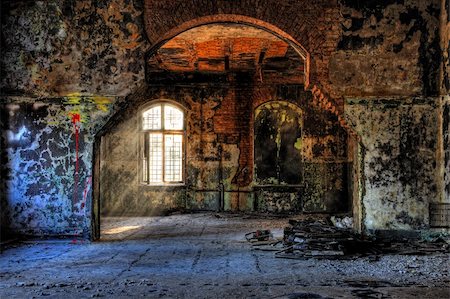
x,y
162,142
278,144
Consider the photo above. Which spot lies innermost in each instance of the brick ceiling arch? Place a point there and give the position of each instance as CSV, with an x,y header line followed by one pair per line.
x,y
312,25
238,19
300,19
217,29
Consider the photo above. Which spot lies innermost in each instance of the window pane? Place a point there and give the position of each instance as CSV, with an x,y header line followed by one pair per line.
x,y
144,139
173,118
151,119
173,144
155,156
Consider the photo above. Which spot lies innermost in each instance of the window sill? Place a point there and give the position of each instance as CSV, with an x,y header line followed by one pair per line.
x,y
163,186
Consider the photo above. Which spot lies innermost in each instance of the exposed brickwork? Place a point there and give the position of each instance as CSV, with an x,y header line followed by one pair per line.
x,y
324,102
313,25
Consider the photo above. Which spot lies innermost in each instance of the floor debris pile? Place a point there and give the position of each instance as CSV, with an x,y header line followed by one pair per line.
x,y
321,239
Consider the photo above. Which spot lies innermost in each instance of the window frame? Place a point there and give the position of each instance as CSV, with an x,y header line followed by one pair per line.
x,y
301,112
144,139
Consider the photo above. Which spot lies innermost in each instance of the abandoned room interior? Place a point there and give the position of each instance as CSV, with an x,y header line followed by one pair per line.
x,y
226,148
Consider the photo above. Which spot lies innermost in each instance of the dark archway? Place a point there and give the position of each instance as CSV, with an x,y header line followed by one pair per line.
x,y
235,191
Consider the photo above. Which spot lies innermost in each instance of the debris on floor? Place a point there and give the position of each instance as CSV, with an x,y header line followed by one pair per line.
x,y
263,240
259,235
334,239
319,239
344,222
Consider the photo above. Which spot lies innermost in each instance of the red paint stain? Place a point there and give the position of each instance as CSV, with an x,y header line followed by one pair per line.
x,y
76,118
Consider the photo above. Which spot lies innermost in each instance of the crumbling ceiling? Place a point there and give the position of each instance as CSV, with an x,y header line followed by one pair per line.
x,y
220,48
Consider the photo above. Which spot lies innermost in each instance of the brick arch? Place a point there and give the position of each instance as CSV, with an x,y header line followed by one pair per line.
x,y
304,20
235,19
315,25
312,27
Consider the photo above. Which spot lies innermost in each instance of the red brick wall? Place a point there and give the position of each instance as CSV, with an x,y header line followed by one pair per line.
x,y
315,25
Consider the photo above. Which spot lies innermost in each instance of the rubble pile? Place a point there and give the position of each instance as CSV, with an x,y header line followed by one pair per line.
x,y
323,239
316,238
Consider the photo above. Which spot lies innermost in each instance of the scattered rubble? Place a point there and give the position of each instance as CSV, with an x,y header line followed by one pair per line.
x,y
334,239
344,222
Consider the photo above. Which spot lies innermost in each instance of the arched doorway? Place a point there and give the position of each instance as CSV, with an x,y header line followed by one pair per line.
x,y
219,71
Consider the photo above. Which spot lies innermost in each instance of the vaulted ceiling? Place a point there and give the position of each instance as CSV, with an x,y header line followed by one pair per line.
x,y
222,48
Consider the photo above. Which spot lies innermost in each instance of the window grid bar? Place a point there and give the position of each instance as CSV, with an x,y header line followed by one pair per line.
x,y
163,127
147,136
144,155
177,164
173,167
156,156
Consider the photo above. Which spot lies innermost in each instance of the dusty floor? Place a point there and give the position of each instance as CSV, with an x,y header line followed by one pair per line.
x,y
205,256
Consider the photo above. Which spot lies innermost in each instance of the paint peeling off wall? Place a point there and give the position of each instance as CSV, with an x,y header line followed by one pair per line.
x,y
326,187
58,47
399,137
46,166
4,173
387,48
287,199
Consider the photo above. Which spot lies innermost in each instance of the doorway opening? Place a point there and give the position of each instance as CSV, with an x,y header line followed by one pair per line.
x,y
242,93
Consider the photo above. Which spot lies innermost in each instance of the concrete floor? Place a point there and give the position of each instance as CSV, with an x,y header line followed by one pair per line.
x,y
204,256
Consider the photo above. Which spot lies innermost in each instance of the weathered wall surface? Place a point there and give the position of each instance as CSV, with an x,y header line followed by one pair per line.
x,y
399,140
445,91
278,126
387,64
4,171
445,47
46,164
60,47
219,152
60,57
446,149
387,48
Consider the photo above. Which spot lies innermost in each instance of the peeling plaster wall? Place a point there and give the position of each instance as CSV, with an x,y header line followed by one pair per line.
x,y
445,91
42,193
445,46
4,206
278,126
219,152
399,140
387,64
60,57
60,47
387,48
